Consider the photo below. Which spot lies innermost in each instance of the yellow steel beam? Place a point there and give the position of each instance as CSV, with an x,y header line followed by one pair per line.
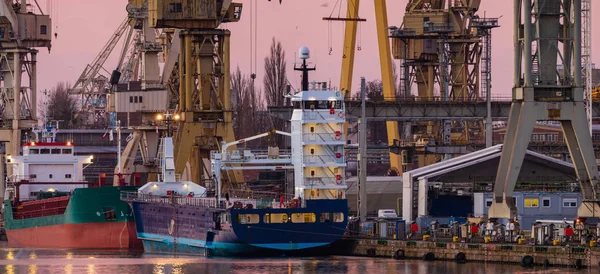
x,y
349,47
385,59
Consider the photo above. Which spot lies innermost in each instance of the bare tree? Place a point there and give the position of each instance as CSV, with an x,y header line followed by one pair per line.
x,y
275,82
246,105
275,79
239,84
62,106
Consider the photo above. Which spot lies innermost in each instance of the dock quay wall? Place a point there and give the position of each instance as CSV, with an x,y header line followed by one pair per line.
x,y
525,255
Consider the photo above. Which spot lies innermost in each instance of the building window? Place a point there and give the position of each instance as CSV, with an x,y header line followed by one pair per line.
x,y
130,99
569,202
135,99
532,202
67,176
175,7
546,202
50,176
140,99
43,29
488,202
32,176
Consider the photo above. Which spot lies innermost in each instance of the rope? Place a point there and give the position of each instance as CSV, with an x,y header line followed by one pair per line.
x,y
329,37
251,42
255,35
359,44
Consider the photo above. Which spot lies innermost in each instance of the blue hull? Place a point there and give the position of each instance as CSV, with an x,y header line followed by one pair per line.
x,y
166,228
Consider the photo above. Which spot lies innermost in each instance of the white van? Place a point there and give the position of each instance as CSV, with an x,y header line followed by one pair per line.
x,y
387,214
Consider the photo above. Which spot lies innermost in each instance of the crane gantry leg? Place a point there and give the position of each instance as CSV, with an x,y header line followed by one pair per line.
x,y
206,118
544,95
389,94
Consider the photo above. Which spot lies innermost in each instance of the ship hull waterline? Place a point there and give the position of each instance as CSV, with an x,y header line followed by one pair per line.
x,y
106,235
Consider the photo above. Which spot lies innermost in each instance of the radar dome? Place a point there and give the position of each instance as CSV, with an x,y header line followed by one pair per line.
x,y
303,53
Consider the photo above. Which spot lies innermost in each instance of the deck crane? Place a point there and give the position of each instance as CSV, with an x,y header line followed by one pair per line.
x,y
225,160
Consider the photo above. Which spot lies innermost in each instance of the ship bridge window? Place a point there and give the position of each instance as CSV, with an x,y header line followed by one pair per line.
x,y
304,218
34,151
44,151
276,218
67,151
43,29
67,176
322,104
55,151
248,218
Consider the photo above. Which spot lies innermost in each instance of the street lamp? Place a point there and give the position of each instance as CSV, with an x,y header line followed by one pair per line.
x,y
168,118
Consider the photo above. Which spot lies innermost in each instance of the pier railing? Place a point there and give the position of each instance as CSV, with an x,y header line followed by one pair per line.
x,y
178,200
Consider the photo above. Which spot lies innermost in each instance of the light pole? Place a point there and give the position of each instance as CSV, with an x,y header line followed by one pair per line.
x,y
168,118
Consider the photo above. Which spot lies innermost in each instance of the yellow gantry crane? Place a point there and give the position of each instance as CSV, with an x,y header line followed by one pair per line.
x,y
352,20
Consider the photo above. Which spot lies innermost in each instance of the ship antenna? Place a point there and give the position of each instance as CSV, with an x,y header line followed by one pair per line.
x,y
304,54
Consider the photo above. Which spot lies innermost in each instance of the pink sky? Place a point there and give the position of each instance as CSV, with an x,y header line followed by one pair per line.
x,y
83,28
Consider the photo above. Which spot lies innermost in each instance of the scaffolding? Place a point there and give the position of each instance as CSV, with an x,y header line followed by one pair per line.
x,y
484,27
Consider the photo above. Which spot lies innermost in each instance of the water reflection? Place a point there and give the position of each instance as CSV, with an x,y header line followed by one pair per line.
x,y
10,269
106,261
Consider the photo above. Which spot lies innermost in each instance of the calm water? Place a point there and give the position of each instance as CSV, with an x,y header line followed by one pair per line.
x,y
13,260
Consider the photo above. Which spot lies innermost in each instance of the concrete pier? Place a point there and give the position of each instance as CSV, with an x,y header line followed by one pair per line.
x,y
525,255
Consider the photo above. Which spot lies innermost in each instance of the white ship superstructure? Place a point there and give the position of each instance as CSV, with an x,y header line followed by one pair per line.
x,y
318,144
46,166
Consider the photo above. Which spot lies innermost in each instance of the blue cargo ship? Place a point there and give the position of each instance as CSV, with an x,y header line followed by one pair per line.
x,y
176,216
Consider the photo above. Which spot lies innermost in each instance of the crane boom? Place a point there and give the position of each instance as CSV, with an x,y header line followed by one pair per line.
x,y
387,79
349,45
84,83
241,141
